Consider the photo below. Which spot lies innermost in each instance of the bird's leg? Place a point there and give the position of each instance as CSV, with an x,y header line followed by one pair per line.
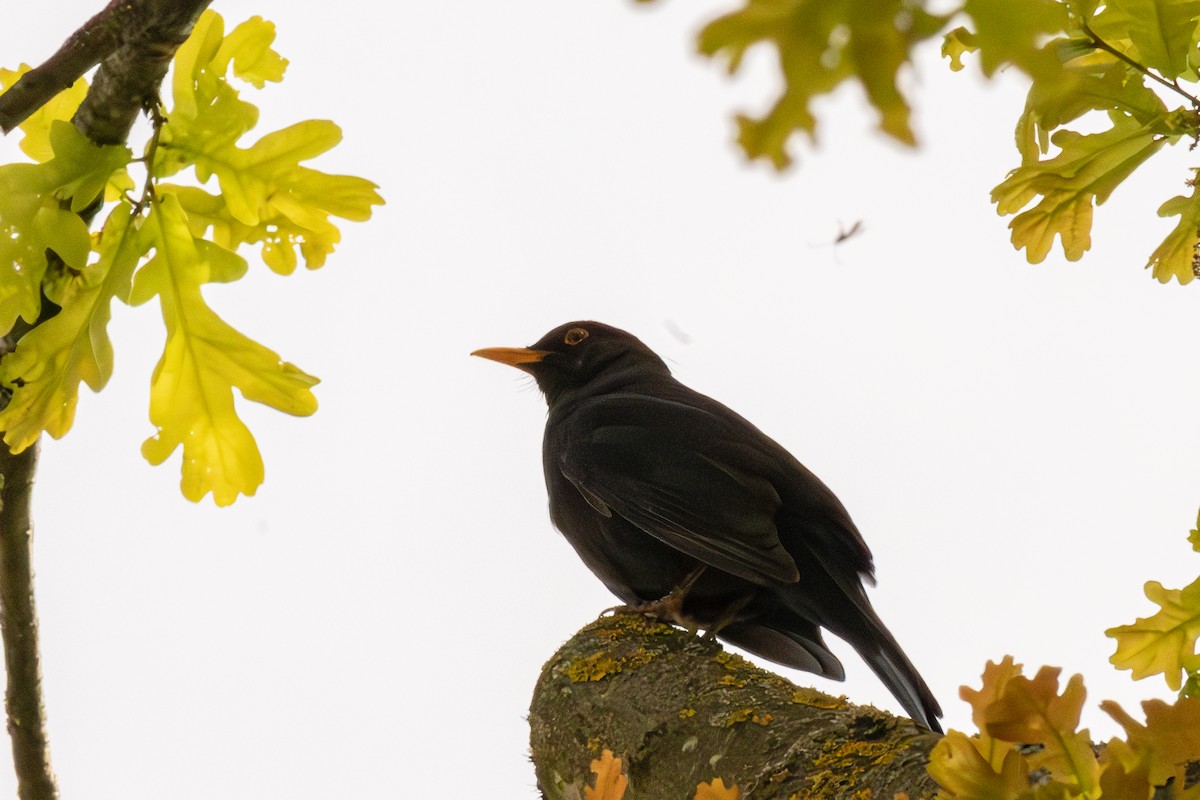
x,y
670,606
730,615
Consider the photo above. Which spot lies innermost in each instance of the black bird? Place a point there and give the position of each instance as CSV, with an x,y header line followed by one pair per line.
x,y
682,507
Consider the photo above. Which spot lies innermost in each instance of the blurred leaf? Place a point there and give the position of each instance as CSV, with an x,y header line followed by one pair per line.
x,y
1014,32
955,44
1162,33
820,44
965,773
1169,739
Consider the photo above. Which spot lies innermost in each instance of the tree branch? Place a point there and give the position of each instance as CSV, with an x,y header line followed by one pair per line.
x,y
680,710
133,41
18,623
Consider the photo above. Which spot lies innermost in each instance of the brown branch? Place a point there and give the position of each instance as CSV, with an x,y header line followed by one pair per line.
x,y
680,710
133,41
18,623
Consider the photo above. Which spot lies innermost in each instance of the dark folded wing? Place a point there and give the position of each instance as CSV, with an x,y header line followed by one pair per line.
x,y
674,471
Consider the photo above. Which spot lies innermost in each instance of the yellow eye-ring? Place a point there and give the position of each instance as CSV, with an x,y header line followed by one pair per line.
x,y
575,336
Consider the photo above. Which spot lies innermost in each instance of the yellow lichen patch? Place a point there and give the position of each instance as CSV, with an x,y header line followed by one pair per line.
x,y
599,666
736,717
732,661
729,680
840,767
780,776
593,743
595,667
685,713
811,697
878,753
610,629
765,719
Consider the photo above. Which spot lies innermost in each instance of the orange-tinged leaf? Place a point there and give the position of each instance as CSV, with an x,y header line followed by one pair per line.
x,y
1168,740
996,677
1164,642
1030,709
717,790
1125,774
610,781
965,773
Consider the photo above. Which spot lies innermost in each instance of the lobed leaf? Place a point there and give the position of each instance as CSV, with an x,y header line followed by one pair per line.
x,y
1086,171
966,773
1162,33
1165,642
1177,256
35,142
267,197
1033,711
49,362
1014,32
610,779
1166,743
32,219
191,397
820,44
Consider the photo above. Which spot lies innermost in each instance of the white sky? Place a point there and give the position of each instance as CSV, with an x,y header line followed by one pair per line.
x,y
1018,443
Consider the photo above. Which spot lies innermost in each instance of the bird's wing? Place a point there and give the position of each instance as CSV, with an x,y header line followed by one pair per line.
x,y
674,471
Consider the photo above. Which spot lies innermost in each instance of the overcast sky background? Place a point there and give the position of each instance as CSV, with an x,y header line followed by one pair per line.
x,y
1018,443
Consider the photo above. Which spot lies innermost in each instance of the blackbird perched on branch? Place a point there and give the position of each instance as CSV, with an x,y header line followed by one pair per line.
x,y
686,510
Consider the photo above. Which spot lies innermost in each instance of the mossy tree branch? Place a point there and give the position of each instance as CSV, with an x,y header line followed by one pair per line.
x,y
679,710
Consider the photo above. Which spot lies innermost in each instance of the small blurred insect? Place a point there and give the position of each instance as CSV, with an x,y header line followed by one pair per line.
x,y
846,233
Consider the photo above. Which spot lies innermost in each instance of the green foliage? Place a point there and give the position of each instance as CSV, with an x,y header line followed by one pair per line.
x,y
821,44
166,245
1118,64
1165,642
1029,745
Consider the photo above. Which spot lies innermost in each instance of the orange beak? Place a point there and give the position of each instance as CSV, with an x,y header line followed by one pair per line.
x,y
513,356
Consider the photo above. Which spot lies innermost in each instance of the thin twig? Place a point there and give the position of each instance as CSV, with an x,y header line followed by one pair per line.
x,y
1108,48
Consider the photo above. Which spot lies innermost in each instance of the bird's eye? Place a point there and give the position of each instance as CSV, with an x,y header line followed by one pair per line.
x,y
575,336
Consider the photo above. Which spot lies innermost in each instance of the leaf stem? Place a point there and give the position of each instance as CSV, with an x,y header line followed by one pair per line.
x,y
1108,48
157,120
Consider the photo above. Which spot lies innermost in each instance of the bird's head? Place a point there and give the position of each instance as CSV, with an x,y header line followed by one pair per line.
x,y
578,355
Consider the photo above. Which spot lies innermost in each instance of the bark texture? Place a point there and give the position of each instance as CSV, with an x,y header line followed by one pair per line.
x,y
18,622
680,710
133,41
